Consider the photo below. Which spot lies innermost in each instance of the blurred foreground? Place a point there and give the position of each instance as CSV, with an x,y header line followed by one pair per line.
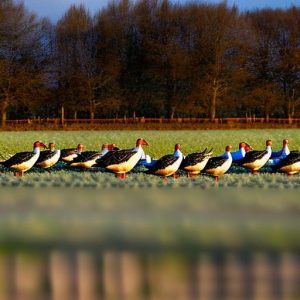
x,y
149,244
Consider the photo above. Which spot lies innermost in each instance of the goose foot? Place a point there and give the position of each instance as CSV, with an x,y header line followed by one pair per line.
x,y
19,174
253,171
165,179
217,180
175,176
120,175
190,175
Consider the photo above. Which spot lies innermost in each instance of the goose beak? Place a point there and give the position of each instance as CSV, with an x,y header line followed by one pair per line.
x,y
44,146
145,143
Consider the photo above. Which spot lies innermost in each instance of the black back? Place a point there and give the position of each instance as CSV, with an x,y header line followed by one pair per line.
x,y
292,158
163,163
18,158
192,159
86,156
115,157
67,152
214,162
45,155
252,156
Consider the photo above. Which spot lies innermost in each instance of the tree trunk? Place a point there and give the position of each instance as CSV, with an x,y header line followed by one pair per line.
x,y
92,115
3,118
214,103
75,115
172,112
4,113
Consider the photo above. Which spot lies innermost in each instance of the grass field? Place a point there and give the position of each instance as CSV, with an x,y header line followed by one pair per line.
x,y
160,143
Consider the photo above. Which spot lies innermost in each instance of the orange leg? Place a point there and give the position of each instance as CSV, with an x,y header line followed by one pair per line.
x,y
217,180
175,176
290,175
120,175
165,179
253,171
190,175
19,174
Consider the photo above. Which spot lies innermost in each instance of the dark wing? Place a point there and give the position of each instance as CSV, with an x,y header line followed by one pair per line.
x,y
215,162
67,152
163,163
18,158
45,155
115,157
292,158
252,156
192,159
86,156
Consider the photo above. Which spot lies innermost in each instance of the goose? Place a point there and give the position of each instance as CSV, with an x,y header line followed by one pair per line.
x,y
88,159
290,164
122,161
240,154
254,160
168,164
217,166
23,161
276,157
67,155
194,163
48,158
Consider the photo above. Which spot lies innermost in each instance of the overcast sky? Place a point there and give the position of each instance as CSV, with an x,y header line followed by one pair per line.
x,y
54,9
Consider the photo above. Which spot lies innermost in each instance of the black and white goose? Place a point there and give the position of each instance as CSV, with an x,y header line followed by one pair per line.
x,y
217,166
23,161
48,158
88,159
122,161
168,164
194,163
290,164
254,160
67,155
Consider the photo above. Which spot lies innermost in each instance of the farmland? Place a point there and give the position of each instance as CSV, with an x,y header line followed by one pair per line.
x,y
60,223
160,143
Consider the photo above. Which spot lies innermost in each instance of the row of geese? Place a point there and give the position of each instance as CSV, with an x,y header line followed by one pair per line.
x,y
123,161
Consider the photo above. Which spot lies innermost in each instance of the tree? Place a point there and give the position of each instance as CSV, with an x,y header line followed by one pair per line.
x,y
21,57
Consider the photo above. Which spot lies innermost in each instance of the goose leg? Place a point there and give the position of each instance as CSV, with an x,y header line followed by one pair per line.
x,y
19,174
175,176
217,180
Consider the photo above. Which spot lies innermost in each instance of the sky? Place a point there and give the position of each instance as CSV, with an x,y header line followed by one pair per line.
x,y
54,9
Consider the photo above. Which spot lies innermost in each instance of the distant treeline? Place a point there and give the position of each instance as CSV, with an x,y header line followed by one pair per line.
x,y
150,58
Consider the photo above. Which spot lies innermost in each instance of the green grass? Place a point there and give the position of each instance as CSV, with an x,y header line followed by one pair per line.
x,y
160,143
259,212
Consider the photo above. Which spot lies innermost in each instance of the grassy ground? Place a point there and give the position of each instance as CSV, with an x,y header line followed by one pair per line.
x,y
252,211
161,142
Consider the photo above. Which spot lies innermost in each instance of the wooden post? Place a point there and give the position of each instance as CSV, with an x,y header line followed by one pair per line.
x,y
29,277
87,276
290,274
62,115
62,276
